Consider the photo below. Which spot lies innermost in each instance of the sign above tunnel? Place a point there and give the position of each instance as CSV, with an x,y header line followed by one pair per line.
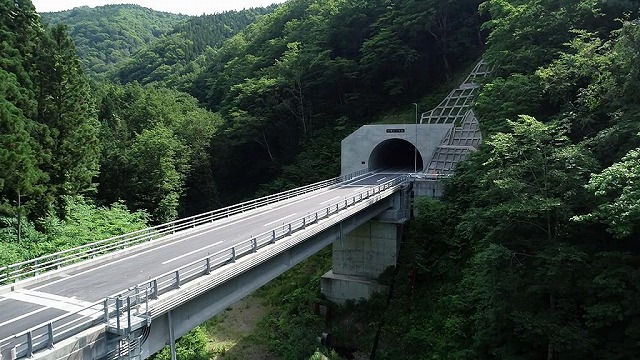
x,y
395,130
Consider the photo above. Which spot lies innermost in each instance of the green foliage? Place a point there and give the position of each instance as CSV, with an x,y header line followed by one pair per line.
x,y
19,174
156,142
616,185
312,66
69,139
292,327
191,346
108,35
176,59
533,253
84,223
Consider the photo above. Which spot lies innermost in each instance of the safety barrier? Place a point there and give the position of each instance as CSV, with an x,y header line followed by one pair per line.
x,y
45,335
22,270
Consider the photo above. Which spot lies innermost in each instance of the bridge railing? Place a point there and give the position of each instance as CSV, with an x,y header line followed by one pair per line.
x,y
28,268
174,279
45,335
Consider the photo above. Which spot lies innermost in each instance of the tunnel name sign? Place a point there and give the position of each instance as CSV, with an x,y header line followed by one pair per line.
x,y
395,130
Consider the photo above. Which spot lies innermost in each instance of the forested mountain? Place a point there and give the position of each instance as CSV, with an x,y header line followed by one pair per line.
x,y
176,59
107,35
533,252
306,74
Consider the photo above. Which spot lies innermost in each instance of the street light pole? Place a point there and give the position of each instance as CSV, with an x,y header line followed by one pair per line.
x,y
19,217
415,149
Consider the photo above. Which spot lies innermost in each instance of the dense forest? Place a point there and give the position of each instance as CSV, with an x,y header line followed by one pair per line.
x,y
107,35
532,252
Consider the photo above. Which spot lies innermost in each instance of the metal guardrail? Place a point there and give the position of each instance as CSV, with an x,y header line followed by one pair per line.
x,y
25,269
45,335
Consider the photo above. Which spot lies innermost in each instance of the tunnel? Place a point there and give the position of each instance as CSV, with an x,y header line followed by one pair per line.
x,y
396,154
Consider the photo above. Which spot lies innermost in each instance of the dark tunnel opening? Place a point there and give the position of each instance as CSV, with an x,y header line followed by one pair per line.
x,y
396,154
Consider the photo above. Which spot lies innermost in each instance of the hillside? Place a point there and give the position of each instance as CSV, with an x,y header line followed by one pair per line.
x,y
107,35
176,59
532,253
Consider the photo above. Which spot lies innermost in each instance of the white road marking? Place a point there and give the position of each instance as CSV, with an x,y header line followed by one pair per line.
x,y
381,179
279,220
191,253
23,316
49,300
365,178
330,200
173,242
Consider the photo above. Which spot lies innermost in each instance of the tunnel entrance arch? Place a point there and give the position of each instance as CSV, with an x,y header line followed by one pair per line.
x,y
396,154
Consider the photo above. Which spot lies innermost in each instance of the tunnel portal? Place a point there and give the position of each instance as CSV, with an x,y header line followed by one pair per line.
x,y
395,154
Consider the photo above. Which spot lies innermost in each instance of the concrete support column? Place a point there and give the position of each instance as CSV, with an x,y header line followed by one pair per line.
x,y
172,336
359,258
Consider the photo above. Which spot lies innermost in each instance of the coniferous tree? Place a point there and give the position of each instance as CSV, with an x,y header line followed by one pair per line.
x,y
20,176
65,108
19,172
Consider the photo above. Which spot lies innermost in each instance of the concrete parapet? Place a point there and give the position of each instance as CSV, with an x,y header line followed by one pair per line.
x,y
89,344
432,188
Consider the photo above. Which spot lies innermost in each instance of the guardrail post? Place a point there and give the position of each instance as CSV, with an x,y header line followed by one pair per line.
x,y
273,237
154,284
254,241
316,216
207,271
118,300
345,203
50,333
129,314
29,344
177,279
289,231
304,222
106,310
233,254
146,302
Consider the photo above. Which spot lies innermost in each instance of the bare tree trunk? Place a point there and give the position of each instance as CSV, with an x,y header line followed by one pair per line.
x,y
552,306
265,144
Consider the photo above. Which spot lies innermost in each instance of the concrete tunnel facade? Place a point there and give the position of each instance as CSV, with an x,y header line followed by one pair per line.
x,y
374,147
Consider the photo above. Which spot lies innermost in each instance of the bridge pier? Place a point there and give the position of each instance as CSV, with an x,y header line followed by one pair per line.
x,y
363,254
359,258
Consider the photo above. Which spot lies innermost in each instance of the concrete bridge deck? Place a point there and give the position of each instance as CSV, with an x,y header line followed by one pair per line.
x,y
72,292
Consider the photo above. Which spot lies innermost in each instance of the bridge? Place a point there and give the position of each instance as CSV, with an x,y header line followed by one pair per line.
x,y
129,296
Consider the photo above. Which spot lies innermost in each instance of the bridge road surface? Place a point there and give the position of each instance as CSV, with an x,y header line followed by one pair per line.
x,y
39,303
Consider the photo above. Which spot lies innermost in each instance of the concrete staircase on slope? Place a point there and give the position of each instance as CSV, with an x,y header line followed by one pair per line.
x,y
465,136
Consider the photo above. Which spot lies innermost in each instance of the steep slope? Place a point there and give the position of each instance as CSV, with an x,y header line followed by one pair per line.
x,y
179,56
106,35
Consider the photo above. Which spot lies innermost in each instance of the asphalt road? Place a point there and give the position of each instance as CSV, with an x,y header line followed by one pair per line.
x,y
39,303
